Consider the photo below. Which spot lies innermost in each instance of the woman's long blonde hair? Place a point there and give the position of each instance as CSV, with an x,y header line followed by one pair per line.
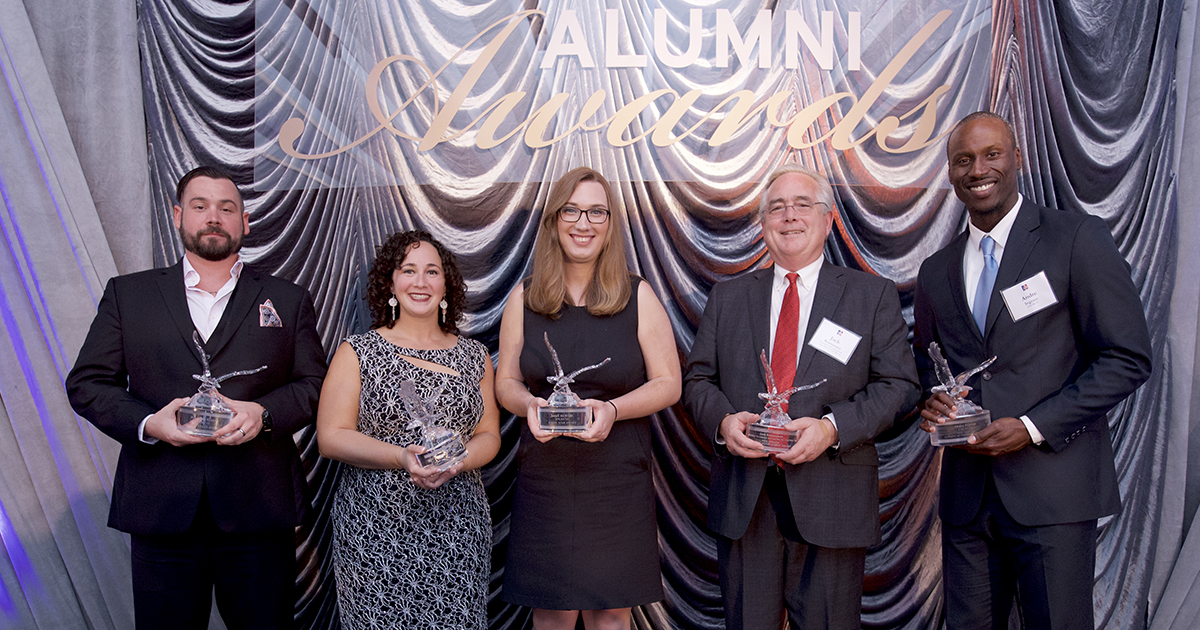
x,y
609,289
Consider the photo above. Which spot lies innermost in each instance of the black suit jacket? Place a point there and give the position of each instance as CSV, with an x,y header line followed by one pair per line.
x,y
1064,366
835,498
139,355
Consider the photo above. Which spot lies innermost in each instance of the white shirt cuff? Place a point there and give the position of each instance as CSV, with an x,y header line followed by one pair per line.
x,y
833,421
142,432
719,439
1034,434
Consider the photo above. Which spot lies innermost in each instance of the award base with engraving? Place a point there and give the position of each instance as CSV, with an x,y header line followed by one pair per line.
x,y
444,454
774,439
957,431
564,419
202,421
206,413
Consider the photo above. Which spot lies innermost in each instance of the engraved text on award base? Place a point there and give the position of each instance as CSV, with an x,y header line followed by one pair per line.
x,y
774,439
202,421
444,454
564,419
958,430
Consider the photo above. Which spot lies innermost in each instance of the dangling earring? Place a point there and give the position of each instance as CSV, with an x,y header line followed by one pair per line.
x,y
392,303
443,305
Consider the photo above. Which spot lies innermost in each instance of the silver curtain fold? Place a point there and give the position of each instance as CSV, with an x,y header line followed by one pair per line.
x,y
105,119
1092,96
61,566
1090,92
1175,593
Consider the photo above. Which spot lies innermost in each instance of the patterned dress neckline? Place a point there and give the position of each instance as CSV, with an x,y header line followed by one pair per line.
x,y
457,342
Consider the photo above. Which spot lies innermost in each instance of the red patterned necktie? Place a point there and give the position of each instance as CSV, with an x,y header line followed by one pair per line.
x,y
783,353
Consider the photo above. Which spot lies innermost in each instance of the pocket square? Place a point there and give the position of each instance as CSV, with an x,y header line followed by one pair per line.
x,y
267,317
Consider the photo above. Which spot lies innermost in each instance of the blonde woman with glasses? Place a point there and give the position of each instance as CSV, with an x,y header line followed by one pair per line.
x,y
583,538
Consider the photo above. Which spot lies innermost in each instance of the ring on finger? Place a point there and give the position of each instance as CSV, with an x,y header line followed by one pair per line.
x,y
243,432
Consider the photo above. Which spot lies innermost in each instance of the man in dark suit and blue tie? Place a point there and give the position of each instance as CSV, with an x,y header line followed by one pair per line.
x,y
205,513
792,529
1047,293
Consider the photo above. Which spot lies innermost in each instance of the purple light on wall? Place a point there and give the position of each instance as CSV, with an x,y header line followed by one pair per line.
x,y
22,566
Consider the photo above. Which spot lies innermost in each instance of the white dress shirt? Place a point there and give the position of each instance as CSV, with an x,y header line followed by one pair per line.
x,y
205,308
806,287
973,256
973,266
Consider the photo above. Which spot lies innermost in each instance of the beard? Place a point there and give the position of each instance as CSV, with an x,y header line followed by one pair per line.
x,y
208,249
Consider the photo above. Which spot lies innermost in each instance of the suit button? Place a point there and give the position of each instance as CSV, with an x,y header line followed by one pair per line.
x,y
987,376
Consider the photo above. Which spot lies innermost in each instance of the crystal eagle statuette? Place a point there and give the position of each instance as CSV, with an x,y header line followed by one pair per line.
x,y
969,418
443,447
206,413
768,429
564,412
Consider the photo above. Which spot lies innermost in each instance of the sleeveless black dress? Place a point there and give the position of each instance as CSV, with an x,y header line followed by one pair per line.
x,y
583,533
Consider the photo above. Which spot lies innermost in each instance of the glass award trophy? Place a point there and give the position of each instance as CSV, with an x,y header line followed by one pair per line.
x,y
564,412
969,418
443,447
768,429
206,413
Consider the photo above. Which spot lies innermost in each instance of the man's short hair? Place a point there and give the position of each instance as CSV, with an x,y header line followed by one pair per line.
x,y
1012,134
211,172
824,190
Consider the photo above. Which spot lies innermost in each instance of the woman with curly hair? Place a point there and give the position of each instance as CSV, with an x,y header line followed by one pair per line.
x,y
583,539
412,544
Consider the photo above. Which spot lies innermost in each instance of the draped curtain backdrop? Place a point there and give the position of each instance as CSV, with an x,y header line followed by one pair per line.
x,y
112,101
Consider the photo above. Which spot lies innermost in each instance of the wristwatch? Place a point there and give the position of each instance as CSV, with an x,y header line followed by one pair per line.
x,y
266,420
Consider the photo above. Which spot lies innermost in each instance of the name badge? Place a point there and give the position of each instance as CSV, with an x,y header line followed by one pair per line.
x,y
835,341
1029,296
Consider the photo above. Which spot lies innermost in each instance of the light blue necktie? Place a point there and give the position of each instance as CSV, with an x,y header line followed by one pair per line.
x,y
987,280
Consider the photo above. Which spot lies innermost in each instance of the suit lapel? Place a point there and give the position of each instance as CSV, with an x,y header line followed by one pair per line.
x,y
829,292
760,314
1021,240
240,302
170,284
954,281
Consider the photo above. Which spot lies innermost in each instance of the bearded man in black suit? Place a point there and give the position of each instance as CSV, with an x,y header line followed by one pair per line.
x,y
1047,293
205,513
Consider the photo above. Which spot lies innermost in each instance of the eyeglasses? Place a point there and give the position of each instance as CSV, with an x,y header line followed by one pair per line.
x,y
571,214
802,207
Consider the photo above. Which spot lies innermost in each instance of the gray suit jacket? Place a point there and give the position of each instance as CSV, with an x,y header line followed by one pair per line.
x,y
1064,366
835,498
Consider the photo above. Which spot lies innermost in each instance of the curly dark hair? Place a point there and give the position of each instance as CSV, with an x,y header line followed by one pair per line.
x,y
389,257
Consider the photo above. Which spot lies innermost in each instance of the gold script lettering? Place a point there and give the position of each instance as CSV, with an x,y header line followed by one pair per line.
x,y
841,133
626,115
923,136
742,112
542,117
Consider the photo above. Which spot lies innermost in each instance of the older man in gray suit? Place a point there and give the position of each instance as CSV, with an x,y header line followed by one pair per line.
x,y
793,528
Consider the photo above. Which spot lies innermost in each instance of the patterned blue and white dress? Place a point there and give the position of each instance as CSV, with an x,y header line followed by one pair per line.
x,y
406,557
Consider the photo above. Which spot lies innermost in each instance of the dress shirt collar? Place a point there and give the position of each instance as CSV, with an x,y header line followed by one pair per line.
x,y
998,233
808,275
191,277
